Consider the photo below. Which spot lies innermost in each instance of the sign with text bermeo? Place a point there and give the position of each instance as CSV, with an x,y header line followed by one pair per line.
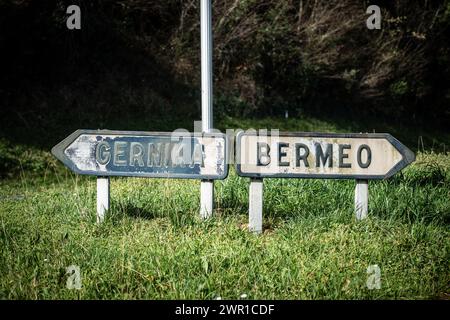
x,y
320,155
145,154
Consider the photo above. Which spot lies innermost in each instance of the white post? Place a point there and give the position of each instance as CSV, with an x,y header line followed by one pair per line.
x,y
102,197
361,199
207,187
206,199
255,205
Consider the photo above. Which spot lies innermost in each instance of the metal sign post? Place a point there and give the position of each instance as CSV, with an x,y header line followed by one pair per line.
x,y
207,186
361,199
105,153
103,199
255,205
361,157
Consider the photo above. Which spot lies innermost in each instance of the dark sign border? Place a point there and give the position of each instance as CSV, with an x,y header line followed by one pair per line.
x,y
407,155
58,152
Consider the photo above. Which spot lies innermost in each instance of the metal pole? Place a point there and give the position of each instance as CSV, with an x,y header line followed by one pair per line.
x,y
102,198
255,205
207,187
361,199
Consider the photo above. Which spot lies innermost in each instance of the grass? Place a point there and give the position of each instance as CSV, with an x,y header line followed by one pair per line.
x,y
153,245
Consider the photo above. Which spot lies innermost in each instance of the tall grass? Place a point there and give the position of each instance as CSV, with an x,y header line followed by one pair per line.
x,y
153,245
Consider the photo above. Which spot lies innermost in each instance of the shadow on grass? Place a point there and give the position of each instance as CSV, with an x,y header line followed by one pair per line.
x,y
133,211
130,210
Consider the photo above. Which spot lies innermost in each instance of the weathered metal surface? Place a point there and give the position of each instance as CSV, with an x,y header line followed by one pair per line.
x,y
145,154
320,155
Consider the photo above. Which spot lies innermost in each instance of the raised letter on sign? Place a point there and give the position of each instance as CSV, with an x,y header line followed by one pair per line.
x,y
282,154
343,155
103,152
263,151
327,157
136,154
119,151
198,156
299,156
369,156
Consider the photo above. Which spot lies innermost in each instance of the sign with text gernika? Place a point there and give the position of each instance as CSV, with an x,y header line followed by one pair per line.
x,y
145,154
320,155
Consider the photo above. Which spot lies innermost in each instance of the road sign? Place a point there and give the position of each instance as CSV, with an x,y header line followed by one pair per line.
x,y
145,154
320,155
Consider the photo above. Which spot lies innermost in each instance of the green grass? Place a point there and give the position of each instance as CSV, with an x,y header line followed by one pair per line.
x,y
153,245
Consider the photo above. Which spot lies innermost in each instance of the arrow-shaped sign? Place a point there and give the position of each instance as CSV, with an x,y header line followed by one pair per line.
x,y
145,154
320,155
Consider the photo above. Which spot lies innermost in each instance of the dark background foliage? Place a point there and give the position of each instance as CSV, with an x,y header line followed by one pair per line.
x,y
307,57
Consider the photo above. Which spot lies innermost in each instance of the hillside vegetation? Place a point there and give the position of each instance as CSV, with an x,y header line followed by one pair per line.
x,y
313,57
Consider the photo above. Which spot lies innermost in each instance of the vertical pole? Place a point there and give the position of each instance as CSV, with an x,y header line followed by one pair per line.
x,y
207,186
361,199
102,197
206,198
255,206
